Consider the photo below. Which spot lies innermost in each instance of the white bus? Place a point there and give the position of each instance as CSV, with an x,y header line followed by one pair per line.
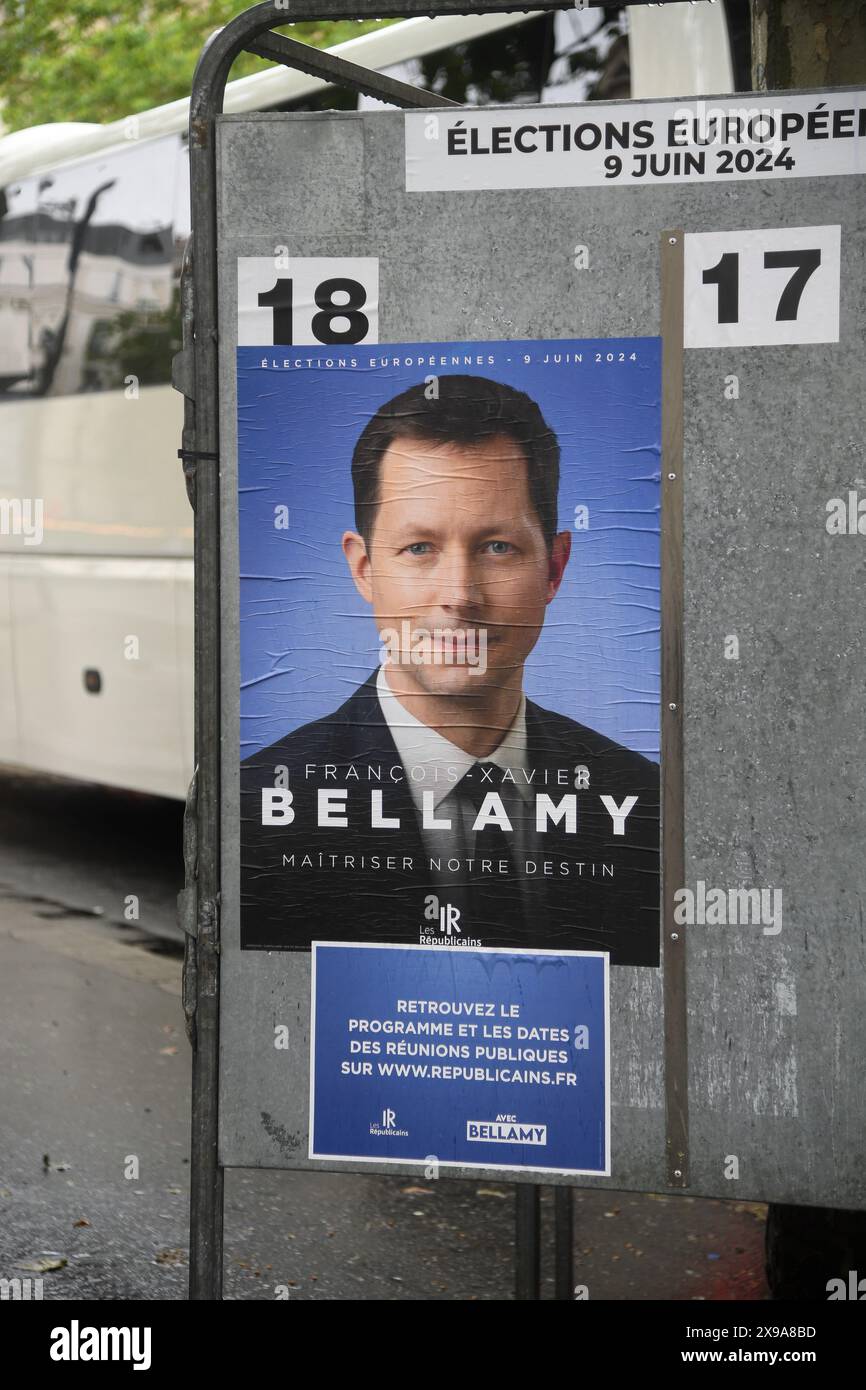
x,y
96,593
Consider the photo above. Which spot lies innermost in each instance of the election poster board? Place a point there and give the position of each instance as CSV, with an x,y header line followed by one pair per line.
x,y
418,313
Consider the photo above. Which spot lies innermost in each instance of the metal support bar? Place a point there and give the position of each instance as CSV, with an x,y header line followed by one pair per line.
x,y
186,909
206,1185
673,855
527,1241
563,1246
317,63
296,11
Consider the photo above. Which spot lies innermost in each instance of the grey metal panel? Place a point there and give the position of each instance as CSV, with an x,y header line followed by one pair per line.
x,y
773,743
329,155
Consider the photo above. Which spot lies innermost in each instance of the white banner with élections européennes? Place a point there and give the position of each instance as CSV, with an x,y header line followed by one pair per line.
x,y
749,136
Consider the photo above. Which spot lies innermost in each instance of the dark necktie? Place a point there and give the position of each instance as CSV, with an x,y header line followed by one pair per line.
x,y
494,904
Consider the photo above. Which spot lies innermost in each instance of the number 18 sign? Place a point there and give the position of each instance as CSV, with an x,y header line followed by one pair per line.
x,y
304,301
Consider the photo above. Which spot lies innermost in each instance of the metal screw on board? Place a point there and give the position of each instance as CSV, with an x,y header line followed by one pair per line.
x,y
678,1172
672,241
671,477
672,706
675,936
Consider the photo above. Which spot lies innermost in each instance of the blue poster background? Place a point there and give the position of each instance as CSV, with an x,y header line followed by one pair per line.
x,y
428,1116
308,640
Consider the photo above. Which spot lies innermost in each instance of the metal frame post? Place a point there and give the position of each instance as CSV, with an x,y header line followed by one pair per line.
x,y
527,1242
563,1244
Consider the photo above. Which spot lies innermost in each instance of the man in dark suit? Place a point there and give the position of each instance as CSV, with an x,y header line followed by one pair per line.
x,y
438,804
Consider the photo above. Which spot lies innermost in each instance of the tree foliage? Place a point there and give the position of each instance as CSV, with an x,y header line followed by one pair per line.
x,y
100,60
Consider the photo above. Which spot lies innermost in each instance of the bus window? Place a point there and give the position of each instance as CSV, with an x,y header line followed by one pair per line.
x,y
18,276
88,272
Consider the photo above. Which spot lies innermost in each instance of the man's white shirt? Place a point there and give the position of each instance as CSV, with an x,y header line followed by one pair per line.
x,y
432,763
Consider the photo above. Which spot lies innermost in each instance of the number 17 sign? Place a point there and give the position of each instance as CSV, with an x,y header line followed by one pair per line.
x,y
750,288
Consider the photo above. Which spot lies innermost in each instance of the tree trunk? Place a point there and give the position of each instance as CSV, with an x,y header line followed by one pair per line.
x,y
808,43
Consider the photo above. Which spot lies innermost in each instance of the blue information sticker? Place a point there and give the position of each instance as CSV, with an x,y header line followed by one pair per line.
x,y
479,1058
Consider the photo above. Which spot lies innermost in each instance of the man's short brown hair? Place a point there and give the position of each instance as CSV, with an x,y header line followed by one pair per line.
x,y
469,410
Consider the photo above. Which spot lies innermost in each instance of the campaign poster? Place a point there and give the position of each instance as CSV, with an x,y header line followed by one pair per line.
x,y
450,645
480,1059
